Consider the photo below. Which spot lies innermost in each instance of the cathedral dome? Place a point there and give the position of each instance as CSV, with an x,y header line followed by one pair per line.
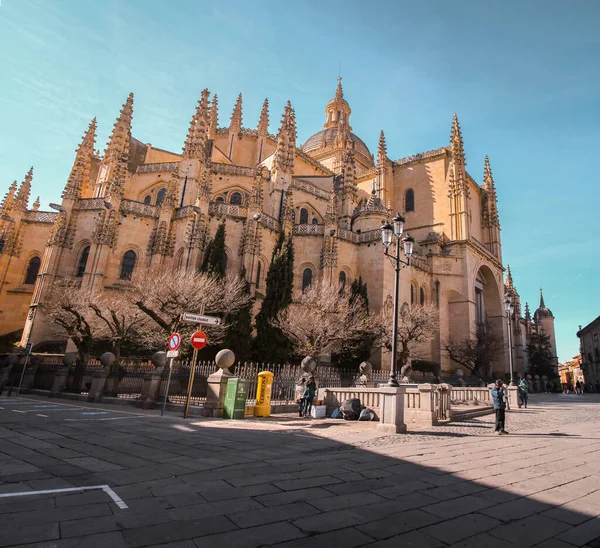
x,y
328,136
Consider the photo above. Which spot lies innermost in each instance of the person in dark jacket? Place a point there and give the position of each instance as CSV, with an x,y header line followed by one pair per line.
x,y
307,397
499,406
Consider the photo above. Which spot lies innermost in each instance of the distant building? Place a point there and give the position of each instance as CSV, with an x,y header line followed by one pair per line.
x,y
589,346
571,372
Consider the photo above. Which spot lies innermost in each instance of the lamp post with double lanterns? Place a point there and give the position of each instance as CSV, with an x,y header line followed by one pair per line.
x,y
388,232
509,311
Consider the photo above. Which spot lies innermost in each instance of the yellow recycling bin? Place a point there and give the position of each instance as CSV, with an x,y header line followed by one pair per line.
x,y
263,394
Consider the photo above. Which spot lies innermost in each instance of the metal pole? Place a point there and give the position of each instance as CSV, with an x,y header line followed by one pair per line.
x,y
393,381
162,411
22,374
510,356
190,384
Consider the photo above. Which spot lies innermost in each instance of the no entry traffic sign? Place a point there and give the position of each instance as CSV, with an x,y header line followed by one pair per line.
x,y
199,340
174,341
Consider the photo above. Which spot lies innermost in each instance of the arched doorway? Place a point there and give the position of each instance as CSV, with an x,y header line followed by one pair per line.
x,y
489,318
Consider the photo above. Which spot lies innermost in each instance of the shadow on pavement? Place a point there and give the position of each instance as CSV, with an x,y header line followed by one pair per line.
x,y
200,484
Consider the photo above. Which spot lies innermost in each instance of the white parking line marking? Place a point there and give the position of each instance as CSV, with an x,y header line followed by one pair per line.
x,y
17,411
116,498
40,415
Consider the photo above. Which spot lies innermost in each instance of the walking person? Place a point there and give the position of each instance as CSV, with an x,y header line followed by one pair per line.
x,y
499,406
523,392
308,396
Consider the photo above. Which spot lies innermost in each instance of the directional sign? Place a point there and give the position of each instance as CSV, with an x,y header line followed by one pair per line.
x,y
172,353
201,319
174,341
199,340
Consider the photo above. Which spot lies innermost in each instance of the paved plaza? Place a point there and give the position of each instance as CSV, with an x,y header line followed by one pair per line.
x,y
123,478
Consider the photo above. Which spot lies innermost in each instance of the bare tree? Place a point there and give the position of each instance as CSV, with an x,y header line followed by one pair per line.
x,y
163,295
321,318
476,352
67,309
416,325
117,320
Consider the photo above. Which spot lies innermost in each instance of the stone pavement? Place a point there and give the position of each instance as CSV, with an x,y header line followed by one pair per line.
x,y
292,482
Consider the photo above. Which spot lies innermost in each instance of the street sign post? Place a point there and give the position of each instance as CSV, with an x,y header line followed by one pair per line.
x,y
201,319
198,341
172,345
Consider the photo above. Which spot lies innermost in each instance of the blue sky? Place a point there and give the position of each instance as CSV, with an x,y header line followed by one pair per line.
x,y
523,77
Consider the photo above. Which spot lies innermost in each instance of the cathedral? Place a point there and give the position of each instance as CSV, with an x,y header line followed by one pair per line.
x,y
139,206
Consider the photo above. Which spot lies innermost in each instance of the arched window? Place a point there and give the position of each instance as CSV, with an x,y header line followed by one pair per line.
x,y
147,199
412,294
342,280
409,200
160,197
422,297
32,270
225,259
258,273
306,278
83,258
128,265
220,199
236,198
437,293
315,221
304,216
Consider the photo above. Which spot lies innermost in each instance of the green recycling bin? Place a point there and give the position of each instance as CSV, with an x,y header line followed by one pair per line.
x,y
234,406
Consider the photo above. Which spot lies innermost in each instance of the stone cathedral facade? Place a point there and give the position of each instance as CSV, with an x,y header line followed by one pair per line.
x,y
138,206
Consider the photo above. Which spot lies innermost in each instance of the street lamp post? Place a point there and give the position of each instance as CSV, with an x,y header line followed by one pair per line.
x,y
509,310
388,231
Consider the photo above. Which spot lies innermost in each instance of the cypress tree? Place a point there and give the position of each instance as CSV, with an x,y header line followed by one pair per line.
x,y
353,352
271,344
539,352
215,257
239,333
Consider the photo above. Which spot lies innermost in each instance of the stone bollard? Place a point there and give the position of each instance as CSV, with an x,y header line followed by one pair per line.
x,y
217,384
151,382
8,365
30,373
365,369
99,377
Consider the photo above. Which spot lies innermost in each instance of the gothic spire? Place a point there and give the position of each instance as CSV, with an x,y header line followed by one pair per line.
x,y
22,199
236,116
456,143
286,140
36,204
9,198
80,172
509,279
542,305
527,313
381,149
488,185
118,144
263,122
195,143
214,118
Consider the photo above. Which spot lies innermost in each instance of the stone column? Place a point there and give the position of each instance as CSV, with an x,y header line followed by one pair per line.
x,y
151,382
30,373
99,377
217,384
60,382
391,411
61,377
